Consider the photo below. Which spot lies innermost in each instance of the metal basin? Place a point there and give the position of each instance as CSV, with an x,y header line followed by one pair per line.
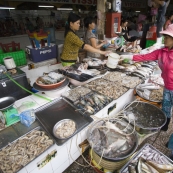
x,y
95,141
6,102
148,118
61,123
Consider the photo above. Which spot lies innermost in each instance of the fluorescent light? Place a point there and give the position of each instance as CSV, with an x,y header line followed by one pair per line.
x,y
7,8
46,6
69,9
138,11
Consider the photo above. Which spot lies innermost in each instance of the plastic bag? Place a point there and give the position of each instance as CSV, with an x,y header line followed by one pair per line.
x,y
26,106
27,117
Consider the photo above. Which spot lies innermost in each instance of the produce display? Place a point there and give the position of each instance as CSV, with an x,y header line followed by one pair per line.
x,y
19,153
107,88
149,160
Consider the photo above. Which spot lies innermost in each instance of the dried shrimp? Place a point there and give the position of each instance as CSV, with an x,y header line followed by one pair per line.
x,y
16,155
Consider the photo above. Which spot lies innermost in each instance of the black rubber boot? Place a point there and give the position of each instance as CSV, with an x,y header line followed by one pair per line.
x,y
165,127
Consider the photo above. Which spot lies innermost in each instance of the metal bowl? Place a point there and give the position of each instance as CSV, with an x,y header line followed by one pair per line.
x,y
6,102
58,124
146,110
134,137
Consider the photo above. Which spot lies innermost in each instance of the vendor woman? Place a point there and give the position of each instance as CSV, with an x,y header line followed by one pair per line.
x,y
73,43
90,37
165,61
124,29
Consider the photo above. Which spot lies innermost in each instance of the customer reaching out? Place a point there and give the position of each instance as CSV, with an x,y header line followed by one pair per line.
x,y
165,61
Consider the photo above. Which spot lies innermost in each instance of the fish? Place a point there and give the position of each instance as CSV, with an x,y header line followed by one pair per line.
x,y
131,169
160,167
139,165
152,170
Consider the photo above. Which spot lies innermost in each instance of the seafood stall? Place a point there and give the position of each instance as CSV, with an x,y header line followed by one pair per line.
x,y
86,101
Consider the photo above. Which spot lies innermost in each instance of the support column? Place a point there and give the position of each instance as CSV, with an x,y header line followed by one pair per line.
x,y
101,18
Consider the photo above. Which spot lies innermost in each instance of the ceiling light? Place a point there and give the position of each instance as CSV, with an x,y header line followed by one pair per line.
x,y
68,9
7,8
46,6
138,11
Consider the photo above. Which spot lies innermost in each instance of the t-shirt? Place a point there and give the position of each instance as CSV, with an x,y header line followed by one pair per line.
x,y
71,47
88,36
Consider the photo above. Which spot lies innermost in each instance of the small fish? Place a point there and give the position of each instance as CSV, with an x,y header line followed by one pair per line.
x,y
131,169
160,167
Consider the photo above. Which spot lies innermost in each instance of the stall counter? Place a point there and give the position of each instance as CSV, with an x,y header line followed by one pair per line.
x,y
69,152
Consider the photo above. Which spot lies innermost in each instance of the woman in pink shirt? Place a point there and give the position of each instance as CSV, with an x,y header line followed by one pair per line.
x,y
165,61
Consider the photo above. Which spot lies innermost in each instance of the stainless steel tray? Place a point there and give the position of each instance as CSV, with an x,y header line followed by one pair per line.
x,y
139,93
37,128
124,169
57,110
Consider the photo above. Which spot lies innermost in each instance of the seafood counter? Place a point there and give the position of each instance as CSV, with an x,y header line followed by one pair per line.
x,y
113,139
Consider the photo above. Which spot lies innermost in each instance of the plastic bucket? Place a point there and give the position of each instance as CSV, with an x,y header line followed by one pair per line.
x,y
113,59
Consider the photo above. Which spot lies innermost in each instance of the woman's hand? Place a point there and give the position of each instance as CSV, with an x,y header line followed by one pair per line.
x,y
105,53
128,57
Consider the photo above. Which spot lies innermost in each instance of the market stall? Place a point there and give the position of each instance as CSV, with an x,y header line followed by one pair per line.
x,y
101,96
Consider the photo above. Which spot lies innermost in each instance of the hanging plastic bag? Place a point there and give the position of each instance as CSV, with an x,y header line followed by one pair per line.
x,y
27,105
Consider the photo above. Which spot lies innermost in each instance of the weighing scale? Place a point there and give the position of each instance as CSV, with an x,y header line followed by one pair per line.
x,y
6,107
8,112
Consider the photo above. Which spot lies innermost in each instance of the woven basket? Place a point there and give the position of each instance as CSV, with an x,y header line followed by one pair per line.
x,y
106,164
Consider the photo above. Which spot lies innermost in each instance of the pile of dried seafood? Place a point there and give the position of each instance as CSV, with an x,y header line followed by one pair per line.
x,y
123,79
114,76
18,154
76,93
157,94
130,82
148,160
110,89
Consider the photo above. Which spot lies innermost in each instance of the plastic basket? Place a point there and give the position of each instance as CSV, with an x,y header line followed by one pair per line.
x,y
18,56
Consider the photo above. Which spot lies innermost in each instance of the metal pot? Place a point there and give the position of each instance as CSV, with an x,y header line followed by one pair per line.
x,y
118,158
6,102
146,110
